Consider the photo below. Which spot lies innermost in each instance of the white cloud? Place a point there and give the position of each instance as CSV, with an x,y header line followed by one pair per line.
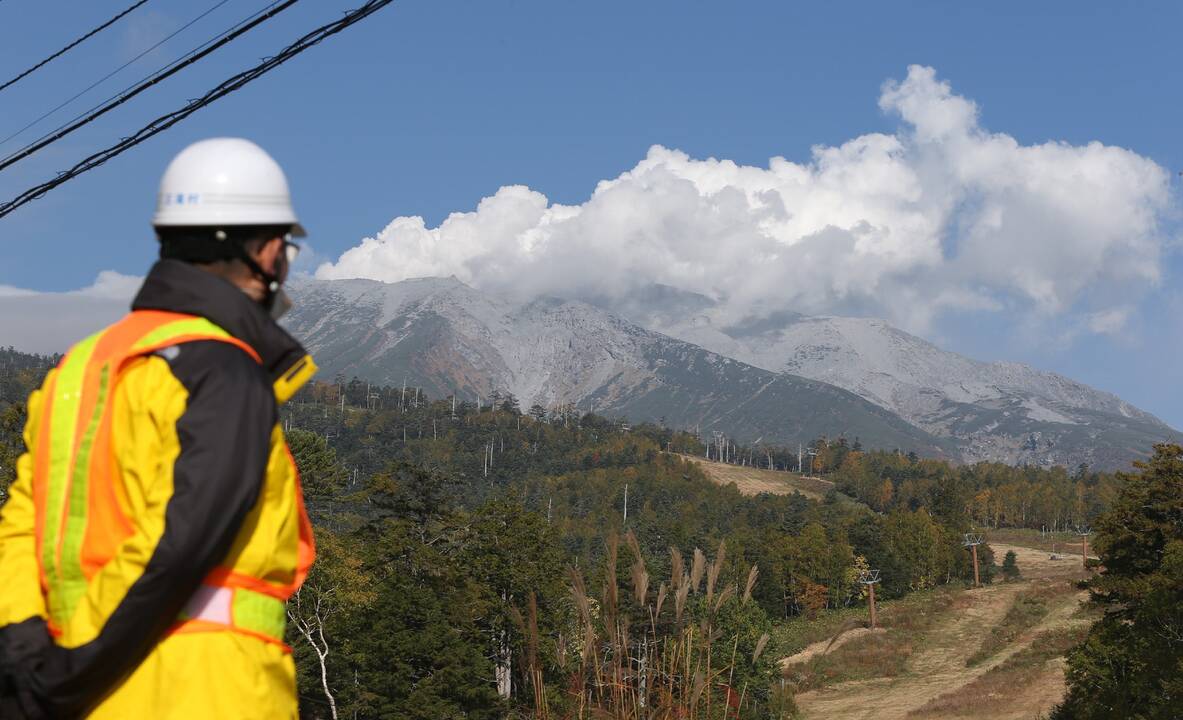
x,y
7,291
49,322
939,216
111,285
1108,321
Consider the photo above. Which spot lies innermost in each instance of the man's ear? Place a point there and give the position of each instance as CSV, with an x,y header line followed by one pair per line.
x,y
268,254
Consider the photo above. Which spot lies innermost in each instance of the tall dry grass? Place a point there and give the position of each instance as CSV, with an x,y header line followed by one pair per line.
x,y
645,654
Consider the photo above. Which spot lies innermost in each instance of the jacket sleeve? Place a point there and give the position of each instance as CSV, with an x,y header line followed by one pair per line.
x,y
24,636
21,598
224,434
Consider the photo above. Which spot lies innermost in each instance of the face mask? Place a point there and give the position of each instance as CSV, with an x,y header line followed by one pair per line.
x,y
275,300
281,302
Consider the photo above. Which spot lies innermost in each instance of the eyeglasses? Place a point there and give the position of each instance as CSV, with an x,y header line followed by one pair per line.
x,y
290,249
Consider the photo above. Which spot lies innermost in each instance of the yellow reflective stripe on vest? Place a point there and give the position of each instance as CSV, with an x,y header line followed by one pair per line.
x,y
180,328
73,580
63,427
259,613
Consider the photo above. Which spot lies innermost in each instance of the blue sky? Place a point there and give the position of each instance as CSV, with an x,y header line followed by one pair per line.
x,y
428,107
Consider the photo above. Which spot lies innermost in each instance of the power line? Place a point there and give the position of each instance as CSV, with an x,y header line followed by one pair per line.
x,y
157,77
164,122
74,44
106,77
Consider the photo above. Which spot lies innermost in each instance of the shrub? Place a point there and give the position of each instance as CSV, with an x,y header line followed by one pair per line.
x,y
1010,568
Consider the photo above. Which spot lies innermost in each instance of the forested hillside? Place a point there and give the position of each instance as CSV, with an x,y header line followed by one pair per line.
x,y
995,495
505,534
20,373
475,561
535,495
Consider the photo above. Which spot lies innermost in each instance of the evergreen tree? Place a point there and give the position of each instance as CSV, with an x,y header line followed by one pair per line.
x,y
1010,568
509,404
321,476
1131,663
511,554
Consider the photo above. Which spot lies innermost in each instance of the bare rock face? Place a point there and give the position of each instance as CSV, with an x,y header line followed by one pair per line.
x,y
1002,411
447,338
786,378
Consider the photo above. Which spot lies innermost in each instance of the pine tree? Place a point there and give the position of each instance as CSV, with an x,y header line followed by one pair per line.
x,y
1010,568
1131,664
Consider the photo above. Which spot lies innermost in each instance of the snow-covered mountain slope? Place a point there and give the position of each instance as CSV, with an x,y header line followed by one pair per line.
x,y
786,378
448,338
992,411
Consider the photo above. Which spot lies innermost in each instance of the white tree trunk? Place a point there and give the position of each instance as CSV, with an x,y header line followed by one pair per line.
x,y
313,631
504,668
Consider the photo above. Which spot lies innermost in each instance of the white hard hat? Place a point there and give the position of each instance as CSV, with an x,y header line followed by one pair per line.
x,y
224,182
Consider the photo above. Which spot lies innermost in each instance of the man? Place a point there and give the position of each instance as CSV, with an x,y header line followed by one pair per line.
x,y
156,525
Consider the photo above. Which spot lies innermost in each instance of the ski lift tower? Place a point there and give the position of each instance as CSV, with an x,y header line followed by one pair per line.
x,y
1084,531
870,578
972,540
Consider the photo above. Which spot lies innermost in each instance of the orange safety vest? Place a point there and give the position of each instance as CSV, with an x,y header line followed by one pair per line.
x,y
82,507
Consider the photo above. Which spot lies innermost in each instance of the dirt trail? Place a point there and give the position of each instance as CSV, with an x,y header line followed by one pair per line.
x,y
821,647
1039,696
939,666
753,480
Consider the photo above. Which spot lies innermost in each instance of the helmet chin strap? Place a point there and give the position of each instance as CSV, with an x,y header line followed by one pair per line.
x,y
271,280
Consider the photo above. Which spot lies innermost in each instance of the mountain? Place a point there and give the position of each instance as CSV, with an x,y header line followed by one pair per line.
x,y
447,338
1000,411
786,378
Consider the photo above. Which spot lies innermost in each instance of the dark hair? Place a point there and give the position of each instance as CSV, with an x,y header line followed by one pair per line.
x,y
203,244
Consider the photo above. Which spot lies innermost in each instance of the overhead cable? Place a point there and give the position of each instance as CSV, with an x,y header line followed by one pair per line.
x,y
168,71
106,77
164,122
73,45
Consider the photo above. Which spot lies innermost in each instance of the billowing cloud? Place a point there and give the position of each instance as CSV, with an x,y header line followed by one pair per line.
x,y
49,322
939,215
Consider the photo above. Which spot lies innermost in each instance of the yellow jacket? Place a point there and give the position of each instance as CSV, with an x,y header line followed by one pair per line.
x,y
157,540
